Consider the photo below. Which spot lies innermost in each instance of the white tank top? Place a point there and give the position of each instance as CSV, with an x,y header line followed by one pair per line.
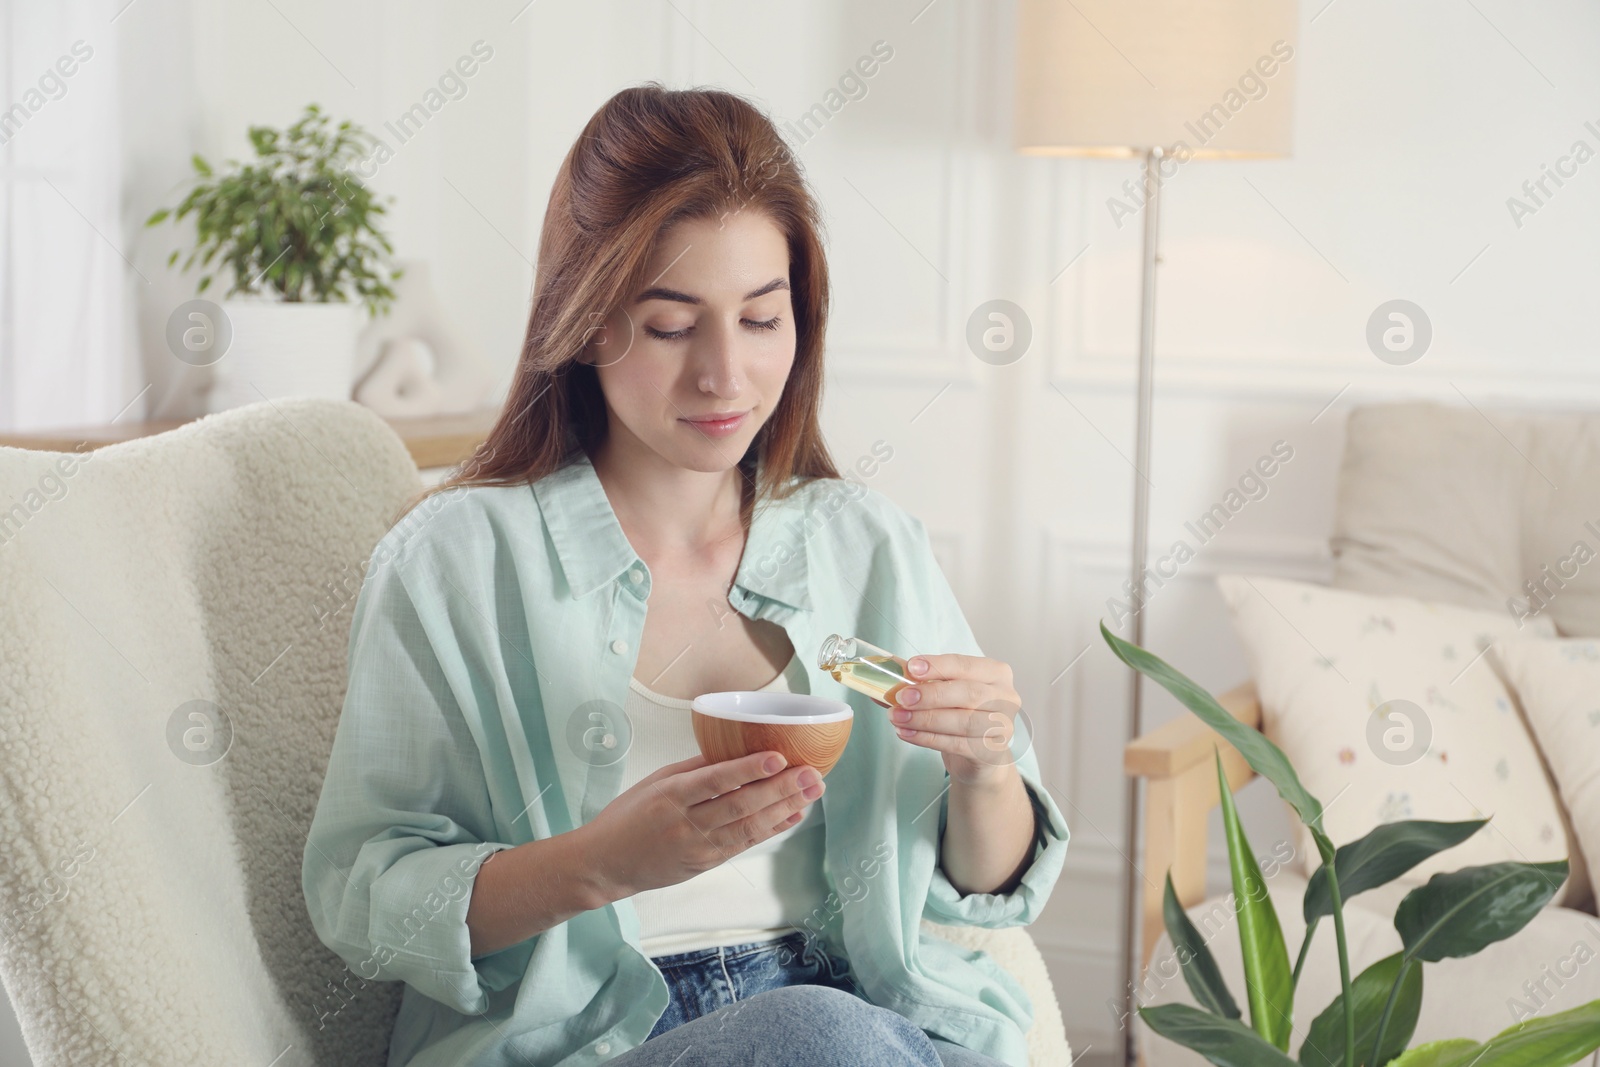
x,y
761,893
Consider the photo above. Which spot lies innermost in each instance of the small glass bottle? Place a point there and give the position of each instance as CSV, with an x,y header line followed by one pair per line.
x,y
864,667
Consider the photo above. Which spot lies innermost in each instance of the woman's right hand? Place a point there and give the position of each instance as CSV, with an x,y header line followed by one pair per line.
x,y
688,817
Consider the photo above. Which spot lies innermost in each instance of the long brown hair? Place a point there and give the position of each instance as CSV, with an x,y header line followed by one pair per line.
x,y
648,158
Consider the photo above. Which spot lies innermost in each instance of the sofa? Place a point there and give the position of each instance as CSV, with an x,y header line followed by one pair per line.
x,y
1478,525
172,666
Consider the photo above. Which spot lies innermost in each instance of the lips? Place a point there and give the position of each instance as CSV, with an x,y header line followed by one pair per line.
x,y
719,424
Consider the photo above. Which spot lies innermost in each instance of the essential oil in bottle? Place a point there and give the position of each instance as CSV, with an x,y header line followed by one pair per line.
x,y
864,667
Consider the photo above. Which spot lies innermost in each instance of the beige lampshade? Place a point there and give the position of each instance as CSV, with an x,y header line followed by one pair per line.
x,y
1115,77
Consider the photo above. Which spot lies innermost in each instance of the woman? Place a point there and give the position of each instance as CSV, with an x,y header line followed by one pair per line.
x,y
516,821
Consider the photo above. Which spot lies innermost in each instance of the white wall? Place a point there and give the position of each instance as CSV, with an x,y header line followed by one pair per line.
x,y
1415,123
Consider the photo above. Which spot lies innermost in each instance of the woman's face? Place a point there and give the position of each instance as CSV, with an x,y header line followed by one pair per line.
x,y
712,333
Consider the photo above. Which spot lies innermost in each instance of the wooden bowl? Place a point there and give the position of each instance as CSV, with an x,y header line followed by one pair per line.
x,y
806,729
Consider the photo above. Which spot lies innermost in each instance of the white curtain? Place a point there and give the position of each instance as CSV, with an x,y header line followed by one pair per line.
x,y
68,351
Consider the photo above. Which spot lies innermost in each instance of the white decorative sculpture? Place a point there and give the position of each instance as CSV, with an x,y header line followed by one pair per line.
x,y
413,361
403,384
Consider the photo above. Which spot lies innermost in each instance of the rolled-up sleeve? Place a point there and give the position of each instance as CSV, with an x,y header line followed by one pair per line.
x,y
403,822
1022,905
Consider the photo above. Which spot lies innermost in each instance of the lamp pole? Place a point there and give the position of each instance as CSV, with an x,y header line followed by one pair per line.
x,y
1131,946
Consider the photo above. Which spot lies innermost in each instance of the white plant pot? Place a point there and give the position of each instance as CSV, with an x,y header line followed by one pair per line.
x,y
280,349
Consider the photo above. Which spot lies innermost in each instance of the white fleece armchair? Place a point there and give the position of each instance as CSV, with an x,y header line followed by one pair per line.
x,y
172,665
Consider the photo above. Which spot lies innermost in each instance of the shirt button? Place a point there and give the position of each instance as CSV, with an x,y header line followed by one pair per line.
x,y
619,646
603,1047
636,576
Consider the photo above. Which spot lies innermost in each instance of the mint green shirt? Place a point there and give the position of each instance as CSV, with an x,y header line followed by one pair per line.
x,y
490,650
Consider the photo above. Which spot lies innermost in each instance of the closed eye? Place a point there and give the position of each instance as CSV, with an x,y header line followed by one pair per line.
x,y
769,324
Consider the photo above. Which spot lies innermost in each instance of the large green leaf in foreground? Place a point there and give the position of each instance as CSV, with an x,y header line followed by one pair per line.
x,y
1266,957
1461,912
1200,970
1558,1040
1324,1045
1383,855
1225,1042
1264,757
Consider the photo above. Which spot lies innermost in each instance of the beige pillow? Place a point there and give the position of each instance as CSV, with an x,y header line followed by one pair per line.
x,y
1450,503
1558,684
1388,710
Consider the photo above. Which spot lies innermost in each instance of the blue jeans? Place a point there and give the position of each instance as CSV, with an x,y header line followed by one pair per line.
x,y
783,1003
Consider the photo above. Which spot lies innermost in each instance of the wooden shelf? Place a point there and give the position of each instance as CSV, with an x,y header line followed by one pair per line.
x,y
434,440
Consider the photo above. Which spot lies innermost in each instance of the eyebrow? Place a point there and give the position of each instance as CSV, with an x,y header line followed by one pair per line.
x,y
659,293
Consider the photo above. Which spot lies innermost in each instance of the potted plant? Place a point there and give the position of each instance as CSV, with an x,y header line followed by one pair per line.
x,y
1371,1022
298,231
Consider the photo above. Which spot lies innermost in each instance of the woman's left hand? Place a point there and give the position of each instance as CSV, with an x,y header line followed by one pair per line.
x,y
963,707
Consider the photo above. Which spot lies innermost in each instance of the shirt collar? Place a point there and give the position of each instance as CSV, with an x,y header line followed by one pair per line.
x,y
594,551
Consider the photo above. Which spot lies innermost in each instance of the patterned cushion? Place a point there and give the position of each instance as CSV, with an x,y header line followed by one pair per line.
x,y
1558,684
1388,709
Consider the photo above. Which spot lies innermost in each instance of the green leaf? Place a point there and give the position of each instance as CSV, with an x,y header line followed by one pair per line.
x,y
157,216
1266,957
1558,1040
1225,1042
201,166
1460,913
1457,1050
1381,856
1200,969
1324,1045
1265,758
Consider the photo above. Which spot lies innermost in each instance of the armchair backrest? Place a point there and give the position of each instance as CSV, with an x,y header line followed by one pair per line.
x,y
172,667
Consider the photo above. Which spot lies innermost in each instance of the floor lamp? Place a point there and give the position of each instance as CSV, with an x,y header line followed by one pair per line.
x,y
1164,81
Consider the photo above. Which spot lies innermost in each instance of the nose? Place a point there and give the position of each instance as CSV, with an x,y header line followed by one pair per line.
x,y
717,359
